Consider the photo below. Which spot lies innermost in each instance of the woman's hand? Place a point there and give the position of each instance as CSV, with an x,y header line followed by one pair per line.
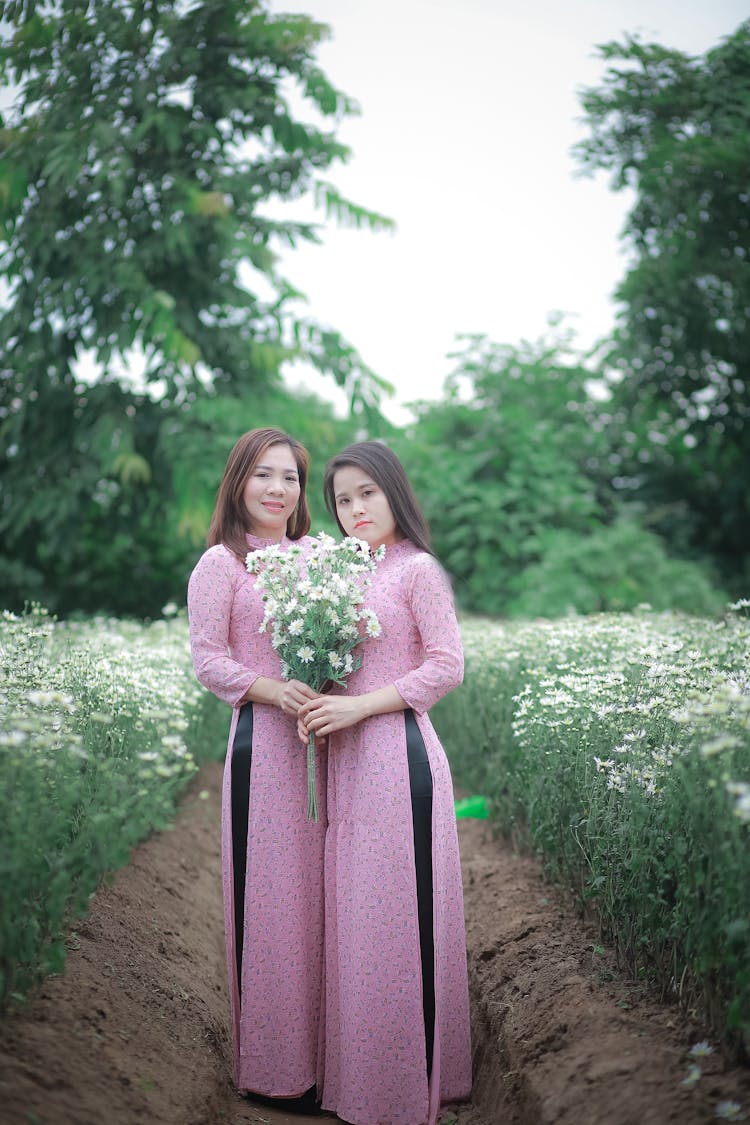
x,y
292,695
321,740
326,713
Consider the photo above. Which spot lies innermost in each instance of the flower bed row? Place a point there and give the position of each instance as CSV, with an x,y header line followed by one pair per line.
x,y
102,724
618,747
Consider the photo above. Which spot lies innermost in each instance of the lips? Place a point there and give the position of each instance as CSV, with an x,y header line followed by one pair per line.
x,y
362,523
271,507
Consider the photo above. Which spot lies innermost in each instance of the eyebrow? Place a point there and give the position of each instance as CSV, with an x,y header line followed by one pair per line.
x,y
269,469
367,483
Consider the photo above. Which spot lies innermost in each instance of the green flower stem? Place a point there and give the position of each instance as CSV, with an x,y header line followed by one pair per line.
x,y
312,797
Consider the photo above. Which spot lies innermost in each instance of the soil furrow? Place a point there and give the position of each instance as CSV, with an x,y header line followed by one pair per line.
x,y
135,1030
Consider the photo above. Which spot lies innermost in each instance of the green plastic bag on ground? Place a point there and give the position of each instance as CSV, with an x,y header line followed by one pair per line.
x,y
475,807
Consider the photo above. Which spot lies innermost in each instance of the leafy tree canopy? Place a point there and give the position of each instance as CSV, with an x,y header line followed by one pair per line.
x,y
143,173
513,448
675,130
514,469
137,171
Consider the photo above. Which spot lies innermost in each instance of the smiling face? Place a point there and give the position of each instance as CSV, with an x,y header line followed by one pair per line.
x,y
362,507
271,491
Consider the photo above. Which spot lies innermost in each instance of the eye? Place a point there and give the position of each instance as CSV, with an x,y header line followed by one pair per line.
x,y
342,502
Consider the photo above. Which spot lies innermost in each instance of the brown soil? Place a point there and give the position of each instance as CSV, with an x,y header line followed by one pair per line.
x,y
135,1030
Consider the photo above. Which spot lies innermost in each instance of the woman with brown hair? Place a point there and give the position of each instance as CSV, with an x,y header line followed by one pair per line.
x,y
396,1036
272,855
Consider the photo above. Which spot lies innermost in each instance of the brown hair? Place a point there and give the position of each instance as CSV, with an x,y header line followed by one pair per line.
x,y
230,522
384,467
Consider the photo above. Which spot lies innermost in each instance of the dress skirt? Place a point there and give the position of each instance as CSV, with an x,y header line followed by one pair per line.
x,y
272,859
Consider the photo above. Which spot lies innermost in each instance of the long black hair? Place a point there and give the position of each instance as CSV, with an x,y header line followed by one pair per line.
x,y
384,467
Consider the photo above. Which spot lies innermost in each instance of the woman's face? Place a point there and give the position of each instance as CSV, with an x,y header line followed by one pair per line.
x,y
362,507
271,492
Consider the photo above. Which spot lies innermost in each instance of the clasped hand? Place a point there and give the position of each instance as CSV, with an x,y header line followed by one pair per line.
x,y
325,714
292,695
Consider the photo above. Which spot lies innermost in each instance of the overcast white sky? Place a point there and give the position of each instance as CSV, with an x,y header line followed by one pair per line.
x,y
469,112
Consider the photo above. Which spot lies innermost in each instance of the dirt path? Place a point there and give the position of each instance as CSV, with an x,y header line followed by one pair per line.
x,y
136,1028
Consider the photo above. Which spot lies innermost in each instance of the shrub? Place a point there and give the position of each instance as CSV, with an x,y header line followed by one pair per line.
x,y
618,747
103,724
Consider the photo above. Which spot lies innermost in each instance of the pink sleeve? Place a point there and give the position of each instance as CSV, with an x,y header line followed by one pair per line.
x,y
210,601
432,608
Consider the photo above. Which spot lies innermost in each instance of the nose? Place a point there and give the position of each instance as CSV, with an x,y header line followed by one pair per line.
x,y
276,486
358,507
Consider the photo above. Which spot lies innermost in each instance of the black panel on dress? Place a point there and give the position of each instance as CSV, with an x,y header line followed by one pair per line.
x,y
242,753
420,784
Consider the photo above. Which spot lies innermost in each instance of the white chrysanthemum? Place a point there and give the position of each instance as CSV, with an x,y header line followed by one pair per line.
x,y
295,627
701,1050
306,654
692,1078
335,659
729,1111
716,745
373,627
740,790
13,738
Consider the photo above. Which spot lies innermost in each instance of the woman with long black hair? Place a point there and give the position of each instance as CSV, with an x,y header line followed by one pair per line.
x,y
396,1037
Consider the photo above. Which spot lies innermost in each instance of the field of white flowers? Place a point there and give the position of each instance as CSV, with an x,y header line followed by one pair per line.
x,y
101,723
618,747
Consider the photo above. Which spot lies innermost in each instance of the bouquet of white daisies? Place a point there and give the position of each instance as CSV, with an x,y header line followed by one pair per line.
x,y
313,604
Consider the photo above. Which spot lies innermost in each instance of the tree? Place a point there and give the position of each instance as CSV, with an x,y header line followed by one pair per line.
x,y
675,130
513,468
142,174
513,448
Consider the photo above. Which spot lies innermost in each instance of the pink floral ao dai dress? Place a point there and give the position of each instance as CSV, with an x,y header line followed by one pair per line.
x,y
276,998
373,1067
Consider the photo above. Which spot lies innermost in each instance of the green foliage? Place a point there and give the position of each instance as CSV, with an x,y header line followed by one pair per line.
x,y
513,468
102,725
142,171
617,566
675,130
122,529
147,145
513,448
618,747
